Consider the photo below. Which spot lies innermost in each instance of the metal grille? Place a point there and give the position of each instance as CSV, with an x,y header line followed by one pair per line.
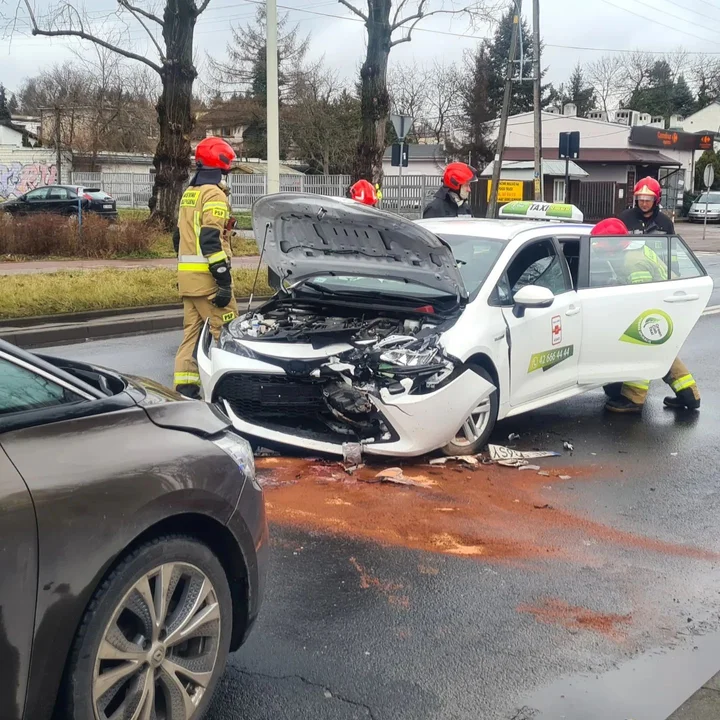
x,y
258,397
596,200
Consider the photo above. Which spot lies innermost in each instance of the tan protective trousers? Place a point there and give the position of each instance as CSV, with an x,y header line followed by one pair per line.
x,y
196,311
679,379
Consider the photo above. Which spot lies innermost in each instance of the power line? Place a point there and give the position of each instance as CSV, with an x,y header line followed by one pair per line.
x,y
656,22
669,14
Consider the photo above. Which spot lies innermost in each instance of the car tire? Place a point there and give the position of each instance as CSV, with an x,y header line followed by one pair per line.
x,y
462,445
122,656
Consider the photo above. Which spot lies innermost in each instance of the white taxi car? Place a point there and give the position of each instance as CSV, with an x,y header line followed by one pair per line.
x,y
411,337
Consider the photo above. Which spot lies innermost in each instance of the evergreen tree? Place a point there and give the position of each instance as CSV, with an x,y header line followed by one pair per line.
x,y
4,112
709,157
580,93
683,101
13,105
497,52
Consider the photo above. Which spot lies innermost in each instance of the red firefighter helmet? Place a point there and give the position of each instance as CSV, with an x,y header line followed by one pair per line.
x,y
648,187
458,174
214,153
611,226
363,192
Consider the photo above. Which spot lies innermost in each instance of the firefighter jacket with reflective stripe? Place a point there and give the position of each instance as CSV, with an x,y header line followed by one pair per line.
x,y
201,238
643,265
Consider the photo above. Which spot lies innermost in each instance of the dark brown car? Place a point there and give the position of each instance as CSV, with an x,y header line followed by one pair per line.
x,y
133,544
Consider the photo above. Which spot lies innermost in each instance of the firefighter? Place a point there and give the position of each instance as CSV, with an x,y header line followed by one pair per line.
x,y
645,218
451,199
202,242
363,192
639,266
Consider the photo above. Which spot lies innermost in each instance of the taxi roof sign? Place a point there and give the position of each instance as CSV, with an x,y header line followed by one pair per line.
x,y
554,212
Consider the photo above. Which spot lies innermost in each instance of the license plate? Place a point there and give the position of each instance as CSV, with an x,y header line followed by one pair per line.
x,y
107,207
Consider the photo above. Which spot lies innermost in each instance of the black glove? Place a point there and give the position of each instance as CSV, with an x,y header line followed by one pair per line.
x,y
223,296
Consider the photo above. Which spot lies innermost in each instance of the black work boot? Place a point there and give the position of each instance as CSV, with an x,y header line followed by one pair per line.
x,y
623,405
613,391
189,391
684,400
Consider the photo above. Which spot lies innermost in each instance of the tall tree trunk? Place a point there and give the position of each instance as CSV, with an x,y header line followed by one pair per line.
x,y
174,110
374,97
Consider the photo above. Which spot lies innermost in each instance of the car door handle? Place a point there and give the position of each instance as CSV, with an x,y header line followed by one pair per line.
x,y
572,311
681,298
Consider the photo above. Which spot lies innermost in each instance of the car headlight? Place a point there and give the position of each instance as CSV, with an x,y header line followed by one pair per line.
x,y
230,344
240,451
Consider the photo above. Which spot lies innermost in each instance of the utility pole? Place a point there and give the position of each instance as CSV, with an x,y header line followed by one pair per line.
x,y
537,91
273,101
58,149
497,166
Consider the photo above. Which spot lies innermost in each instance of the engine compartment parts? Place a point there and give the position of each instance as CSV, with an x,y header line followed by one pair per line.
x,y
369,358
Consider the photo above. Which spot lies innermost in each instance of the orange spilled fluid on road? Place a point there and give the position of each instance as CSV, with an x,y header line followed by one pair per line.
x,y
491,513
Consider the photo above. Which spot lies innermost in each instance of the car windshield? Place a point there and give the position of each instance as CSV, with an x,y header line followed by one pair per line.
x,y
713,197
475,256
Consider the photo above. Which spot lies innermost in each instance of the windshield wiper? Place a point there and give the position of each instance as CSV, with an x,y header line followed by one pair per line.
x,y
319,288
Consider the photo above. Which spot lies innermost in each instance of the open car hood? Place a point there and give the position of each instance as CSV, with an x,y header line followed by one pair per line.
x,y
302,236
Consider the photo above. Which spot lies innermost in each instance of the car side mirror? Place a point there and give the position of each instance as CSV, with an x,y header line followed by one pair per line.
x,y
531,297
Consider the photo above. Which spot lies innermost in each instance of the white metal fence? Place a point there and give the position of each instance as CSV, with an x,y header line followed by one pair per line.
x,y
408,195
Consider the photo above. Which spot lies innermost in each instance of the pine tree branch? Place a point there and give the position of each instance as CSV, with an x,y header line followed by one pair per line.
x,y
350,6
87,36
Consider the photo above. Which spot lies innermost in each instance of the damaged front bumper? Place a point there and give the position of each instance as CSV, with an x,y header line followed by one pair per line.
x,y
413,423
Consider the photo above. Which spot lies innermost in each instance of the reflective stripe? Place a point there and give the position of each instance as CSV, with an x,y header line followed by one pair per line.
x,y
638,385
641,276
218,209
193,259
217,257
187,378
683,383
197,225
194,267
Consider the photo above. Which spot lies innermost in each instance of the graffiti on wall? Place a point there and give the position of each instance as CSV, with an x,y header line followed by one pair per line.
x,y
18,178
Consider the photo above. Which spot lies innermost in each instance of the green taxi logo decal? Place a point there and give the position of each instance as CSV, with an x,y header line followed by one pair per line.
x,y
550,358
653,327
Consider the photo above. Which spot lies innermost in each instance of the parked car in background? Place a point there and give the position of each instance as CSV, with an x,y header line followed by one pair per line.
x,y
133,544
62,200
100,202
710,202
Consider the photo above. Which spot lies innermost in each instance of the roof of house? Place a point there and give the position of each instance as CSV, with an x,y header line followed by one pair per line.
x,y
420,151
18,129
626,156
549,167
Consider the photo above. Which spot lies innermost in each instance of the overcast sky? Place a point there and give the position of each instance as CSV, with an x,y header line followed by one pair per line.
x,y
606,24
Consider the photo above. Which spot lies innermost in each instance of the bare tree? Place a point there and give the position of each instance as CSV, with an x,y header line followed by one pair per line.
x,y
444,99
388,24
407,85
323,121
171,36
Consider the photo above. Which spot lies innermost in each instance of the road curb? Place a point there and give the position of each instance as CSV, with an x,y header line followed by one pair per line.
x,y
94,325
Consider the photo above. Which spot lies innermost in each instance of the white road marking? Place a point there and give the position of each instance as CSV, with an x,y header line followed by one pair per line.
x,y
712,310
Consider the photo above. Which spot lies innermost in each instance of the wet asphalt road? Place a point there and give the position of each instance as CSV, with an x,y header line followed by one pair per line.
x,y
494,640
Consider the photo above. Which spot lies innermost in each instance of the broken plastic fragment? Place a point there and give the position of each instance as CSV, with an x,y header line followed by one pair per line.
x,y
467,459
529,467
513,436
516,463
565,477
396,475
568,446
352,454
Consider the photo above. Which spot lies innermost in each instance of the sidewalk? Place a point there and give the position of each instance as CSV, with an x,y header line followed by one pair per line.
x,y
47,266
703,705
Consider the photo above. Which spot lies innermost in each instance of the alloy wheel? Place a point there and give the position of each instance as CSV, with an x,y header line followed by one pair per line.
x,y
474,426
158,653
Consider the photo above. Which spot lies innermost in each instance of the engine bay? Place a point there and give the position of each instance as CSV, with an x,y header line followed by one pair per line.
x,y
383,354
